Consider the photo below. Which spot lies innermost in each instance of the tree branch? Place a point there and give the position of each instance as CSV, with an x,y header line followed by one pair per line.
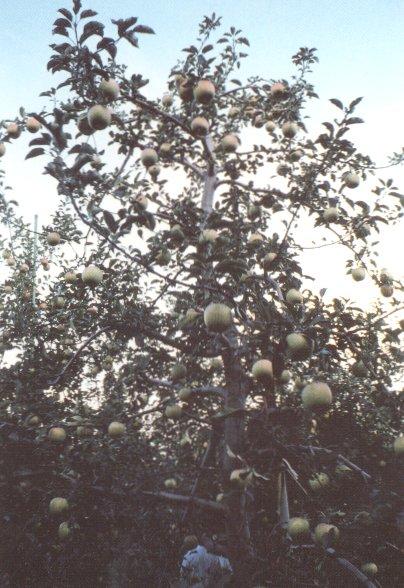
x,y
208,504
195,168
161,113
353,570
216,390
76,355
208,455
314,449
245,187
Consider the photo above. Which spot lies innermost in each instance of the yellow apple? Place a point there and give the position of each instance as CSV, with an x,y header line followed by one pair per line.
x,y
13,130
84,126
149,157
270,126
185,394
319,482
204,91
290,129
358,273
57,434
262,371
167,100
53,239
321,534
59,302
32,124
208,236
298,346
170,483
285,376
370,569
398,445
298,527
317,396
63,530
116,429
70,277
293,296
200,126
278,90
217,317
178,372
230,143
185,91
165,149
92,275
331,214
109,89
268,260
58,505
173,411
295,155
154,171
351,180
255,239
99,117
386,290
242,477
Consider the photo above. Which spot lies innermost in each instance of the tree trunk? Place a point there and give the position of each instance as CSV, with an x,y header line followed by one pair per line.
x,y
237,387
237,525
118,569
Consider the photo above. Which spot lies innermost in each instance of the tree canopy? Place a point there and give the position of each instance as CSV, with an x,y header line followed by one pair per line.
x,y
170,371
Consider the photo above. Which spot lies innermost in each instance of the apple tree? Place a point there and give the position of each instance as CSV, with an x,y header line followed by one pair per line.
x,y
169,368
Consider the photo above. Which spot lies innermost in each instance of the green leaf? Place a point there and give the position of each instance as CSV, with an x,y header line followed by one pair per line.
x,y
66,13
76,6
328,126
144,29
88,13
44,140
337,103
62,22
110,221
92,28
108,45
354,121
35,153
355,103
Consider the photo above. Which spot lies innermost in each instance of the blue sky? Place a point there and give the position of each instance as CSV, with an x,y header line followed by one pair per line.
x,y
360,42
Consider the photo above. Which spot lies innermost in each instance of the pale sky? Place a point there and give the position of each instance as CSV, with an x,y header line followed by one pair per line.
x,y
360,47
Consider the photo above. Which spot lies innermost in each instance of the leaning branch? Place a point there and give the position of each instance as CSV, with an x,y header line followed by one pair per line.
x,y
181,499
343,563
338,456
349,567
